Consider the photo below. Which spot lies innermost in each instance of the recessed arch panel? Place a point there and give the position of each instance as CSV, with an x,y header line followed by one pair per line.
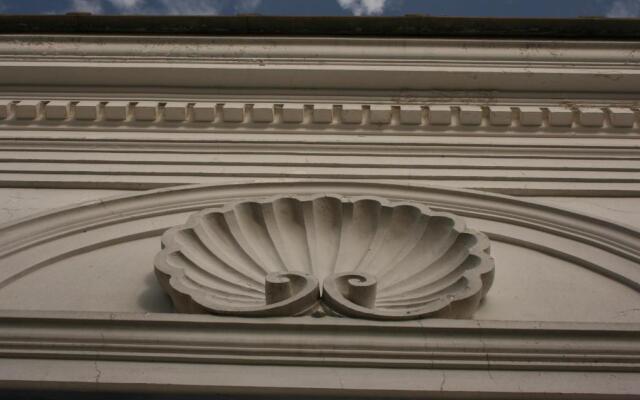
x,y
52,261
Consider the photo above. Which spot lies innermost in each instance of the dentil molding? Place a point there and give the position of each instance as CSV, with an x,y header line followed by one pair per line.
x,y
203,115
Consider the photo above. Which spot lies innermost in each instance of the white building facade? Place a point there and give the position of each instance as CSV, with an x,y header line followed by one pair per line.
x,y
108,141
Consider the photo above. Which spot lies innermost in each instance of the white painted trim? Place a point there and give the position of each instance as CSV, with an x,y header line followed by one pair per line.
x,y
320,63
431,343
207,354
89,115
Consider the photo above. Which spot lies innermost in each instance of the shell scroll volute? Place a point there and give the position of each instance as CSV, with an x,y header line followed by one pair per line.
x,y
203,271
443,290
375,259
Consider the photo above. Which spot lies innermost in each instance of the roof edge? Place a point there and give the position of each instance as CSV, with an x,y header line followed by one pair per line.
x,y
590,28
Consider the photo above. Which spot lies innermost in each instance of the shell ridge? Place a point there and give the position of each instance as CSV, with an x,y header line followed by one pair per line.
x,y
207,291
197,255
339,301
342,256
270,223
336,258
379,241
428,290
452,293
366,254
331,229
327,223
274,255
300,214
182,270
310,235
289,223
241,233
208,242
300,301
435,248
417,231
241,240
452,257
229,247
354,238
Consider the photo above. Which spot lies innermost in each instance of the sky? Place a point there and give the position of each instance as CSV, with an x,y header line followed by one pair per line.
x,y
495,8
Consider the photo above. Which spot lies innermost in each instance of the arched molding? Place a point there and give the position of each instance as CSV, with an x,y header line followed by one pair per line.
x,y
606,247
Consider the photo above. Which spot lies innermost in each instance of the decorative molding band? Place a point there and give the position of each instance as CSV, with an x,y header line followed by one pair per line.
x,y
430,344
107,351
283,49
602,165
339,65
201,115
469,149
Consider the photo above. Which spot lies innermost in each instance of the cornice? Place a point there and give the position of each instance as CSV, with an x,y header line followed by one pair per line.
x,y
337,64
46,142
105,48
411,117
415,25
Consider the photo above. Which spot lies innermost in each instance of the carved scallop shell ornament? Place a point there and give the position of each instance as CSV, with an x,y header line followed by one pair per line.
x,y
356,257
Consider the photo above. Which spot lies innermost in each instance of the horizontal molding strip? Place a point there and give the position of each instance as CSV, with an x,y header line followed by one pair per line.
x,y
340,65
317,160
318,171
308,137
87,115
519,173
123,182
284,147
450,344
300,77
379,50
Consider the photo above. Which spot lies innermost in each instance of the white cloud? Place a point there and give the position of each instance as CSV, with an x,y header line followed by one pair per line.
x,y
151,7
190,7
363,7
90,6
127,5
246,6
624,9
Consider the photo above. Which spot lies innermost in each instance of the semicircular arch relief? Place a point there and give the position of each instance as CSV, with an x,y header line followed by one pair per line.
x,y
32,244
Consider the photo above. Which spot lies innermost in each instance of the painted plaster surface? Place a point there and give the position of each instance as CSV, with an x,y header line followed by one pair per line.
x,y
532,143
623,210
18,203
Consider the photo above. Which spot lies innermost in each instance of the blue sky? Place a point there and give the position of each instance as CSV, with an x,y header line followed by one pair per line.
x,y
501,8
